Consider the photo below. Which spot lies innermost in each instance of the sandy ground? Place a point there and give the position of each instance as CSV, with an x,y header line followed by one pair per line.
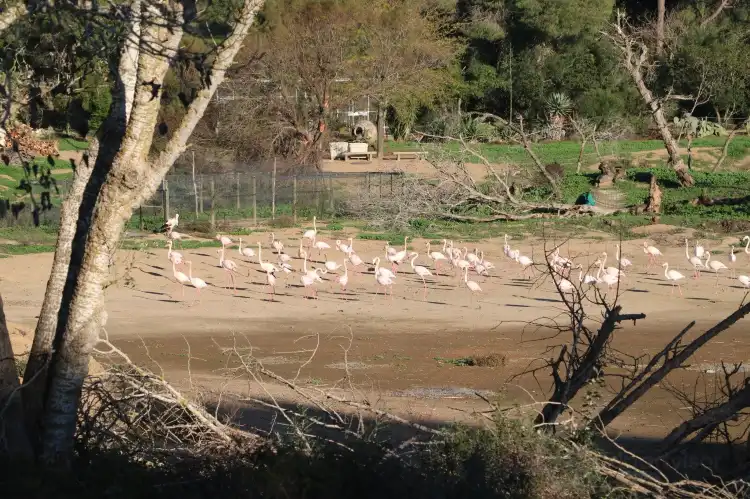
x,y
395,341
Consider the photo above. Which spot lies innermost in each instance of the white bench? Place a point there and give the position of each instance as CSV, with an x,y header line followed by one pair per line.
x,y
411,154
368,155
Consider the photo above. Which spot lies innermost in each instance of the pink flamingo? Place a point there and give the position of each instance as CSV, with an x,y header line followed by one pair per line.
x,y
229,266
197,282
271,279
421,271
182,279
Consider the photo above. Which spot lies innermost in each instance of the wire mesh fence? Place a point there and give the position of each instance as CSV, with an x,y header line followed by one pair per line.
x,y
258,197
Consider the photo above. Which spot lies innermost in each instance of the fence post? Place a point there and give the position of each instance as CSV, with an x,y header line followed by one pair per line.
x,y
273,191
331,205
391,176
165,198
318,211
195,188
367,183
140,217
237,183
255,202
212,187
380,184
201,195
294,198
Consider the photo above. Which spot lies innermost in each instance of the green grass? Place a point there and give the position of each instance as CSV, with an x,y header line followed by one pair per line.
x,y
25,249
566,152
71,144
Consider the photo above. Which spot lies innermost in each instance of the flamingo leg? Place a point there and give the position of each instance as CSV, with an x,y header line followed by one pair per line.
x,y
679,288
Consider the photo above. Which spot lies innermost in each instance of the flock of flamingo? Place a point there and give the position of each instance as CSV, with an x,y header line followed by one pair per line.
x,y
461,260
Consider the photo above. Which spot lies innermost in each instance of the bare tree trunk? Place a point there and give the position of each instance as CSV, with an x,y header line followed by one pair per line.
x,y
634,57
14,443
381,131
661,9
129,181
74,218
114,205
725,150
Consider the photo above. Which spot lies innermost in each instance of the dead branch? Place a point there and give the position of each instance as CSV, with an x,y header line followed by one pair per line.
x,y
723,4
141,383
673,357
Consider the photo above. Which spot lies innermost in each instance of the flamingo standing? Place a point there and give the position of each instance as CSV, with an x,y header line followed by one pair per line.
x,y
287,269
613,271
320,245
473,286
355,260
182,279
344,279
173,235
715,265
245,252
608,279
173,256
624,262
344,248
277,245
266,266
652,252
197,282
674,276
382,270
732,260
696,262
229,266
309,279
331,266
310,234
398,257
526,264
487,264
588,279
435,256
421,271
566,286
224,240
699,250
301,252
271,280
386,282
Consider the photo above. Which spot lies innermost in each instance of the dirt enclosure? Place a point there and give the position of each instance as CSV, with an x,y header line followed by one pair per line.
x,y
401,351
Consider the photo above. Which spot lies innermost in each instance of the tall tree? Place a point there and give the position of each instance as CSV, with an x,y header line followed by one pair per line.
x,y
636,60
661,12
123,175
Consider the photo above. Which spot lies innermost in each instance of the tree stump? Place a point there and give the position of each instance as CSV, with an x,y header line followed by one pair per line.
x,y
653,205
606,176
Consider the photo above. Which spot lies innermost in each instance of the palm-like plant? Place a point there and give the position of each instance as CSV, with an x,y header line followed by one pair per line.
x,y
558,107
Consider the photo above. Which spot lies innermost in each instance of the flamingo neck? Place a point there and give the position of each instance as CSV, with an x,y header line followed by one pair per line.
x,y
747,246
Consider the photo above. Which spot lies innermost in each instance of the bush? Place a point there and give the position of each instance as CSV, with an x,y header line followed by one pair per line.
x,y
510,460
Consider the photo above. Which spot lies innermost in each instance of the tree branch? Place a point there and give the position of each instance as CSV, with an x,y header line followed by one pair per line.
x,y
724,4
223,60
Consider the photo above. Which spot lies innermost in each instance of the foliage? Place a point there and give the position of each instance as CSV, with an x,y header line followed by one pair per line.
x,y
508,460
